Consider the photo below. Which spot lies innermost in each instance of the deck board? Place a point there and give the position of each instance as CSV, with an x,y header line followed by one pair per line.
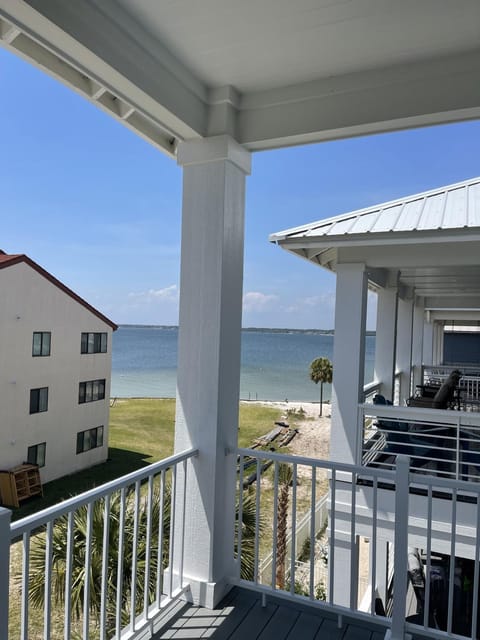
x,y
241,615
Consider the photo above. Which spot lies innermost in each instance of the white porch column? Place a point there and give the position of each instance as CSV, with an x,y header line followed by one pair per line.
x,y
386,340
428,340
5,517
404,345
438,338
417,341
209,355
348,361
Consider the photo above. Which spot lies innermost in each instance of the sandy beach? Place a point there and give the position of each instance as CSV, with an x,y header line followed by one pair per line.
x,y
313,438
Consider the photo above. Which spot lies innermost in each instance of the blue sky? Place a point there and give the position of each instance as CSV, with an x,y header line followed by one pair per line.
x,y
101,209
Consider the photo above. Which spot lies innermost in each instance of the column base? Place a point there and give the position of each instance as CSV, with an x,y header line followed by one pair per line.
x,y
200,593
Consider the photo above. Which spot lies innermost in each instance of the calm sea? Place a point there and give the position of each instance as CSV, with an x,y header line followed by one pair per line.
x,y
275,365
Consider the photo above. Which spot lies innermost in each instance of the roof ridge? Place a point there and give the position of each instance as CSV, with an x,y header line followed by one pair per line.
x,y
7,260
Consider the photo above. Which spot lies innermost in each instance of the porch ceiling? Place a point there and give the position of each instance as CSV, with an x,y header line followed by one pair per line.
x,y
429,243
269,73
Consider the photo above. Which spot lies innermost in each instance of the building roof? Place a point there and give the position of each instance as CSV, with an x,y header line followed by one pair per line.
x,y
8,260
428,243
456,206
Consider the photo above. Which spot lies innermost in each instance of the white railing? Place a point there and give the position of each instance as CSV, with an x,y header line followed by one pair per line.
x,y
370,390
469,383
440,443
94,566
384,507
302,533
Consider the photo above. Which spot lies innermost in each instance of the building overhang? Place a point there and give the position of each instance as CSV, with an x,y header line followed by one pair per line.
x,y
269,75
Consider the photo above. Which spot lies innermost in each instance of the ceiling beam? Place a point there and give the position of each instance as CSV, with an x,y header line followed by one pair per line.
x,y
80,44
403,96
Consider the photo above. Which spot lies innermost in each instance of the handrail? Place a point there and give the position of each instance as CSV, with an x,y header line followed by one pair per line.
x,y
439,442
364,506
56,511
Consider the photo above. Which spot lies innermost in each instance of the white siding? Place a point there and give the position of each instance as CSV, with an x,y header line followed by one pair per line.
x,y
31,303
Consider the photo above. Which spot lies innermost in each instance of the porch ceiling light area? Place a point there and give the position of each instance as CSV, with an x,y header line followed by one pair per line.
x,y
428,242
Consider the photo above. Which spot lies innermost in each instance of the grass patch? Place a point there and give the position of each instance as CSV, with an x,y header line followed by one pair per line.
x,y
141,432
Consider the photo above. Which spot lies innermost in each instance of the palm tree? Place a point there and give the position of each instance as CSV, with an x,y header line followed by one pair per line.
x,y
59,555
249,521
285,477
321,370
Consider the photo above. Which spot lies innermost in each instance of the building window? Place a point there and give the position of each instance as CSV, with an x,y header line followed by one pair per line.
x,y
89,439
38,400
93,343
91,390
36,454
41,343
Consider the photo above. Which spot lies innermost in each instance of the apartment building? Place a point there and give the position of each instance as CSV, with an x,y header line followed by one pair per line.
x,y
55,367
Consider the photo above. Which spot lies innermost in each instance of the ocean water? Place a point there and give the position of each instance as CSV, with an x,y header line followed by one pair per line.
x,y
275,365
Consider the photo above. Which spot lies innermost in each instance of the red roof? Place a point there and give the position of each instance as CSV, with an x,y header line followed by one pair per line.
x,y
7,260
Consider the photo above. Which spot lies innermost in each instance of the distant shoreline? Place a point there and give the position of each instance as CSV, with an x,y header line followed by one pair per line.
x,y
323,332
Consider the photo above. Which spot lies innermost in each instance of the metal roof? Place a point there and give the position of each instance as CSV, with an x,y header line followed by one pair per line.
x,y
456,206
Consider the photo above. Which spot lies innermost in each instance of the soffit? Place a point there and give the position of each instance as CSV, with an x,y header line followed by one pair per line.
x,y
270,74
262,45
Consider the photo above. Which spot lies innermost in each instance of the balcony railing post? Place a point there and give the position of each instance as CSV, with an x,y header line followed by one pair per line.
x,y
5,516
400,558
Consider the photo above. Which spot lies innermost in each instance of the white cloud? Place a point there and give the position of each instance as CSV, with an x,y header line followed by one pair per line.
x,y
167,294
257,301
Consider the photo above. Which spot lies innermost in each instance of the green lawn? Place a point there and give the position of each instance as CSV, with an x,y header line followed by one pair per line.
x,y
141,432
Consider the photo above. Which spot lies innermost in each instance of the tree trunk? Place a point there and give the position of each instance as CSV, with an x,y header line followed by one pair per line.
x,y
321,398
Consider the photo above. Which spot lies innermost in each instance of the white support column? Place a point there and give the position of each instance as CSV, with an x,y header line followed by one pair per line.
x,y
404,345
417,341
428,340
348,361
438,338
346,568
386,340
208,378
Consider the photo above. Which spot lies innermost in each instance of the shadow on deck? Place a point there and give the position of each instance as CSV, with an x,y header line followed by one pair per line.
x,y
241,615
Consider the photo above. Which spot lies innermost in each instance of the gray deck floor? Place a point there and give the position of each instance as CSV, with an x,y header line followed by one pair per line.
x,y
241,617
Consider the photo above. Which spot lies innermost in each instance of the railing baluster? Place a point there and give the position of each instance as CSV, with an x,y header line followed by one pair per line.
x,y
25,585
353,544
257,521
148,551
275,526
133,587
331,555
47,609
105,556
161,518
68,575
240,516
121,539
426,614
88,565
182,537
373,545
293,547
5,515
451,580
400,557
313,504
173,513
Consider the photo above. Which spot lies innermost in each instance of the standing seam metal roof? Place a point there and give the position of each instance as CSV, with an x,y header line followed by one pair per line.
x,y
453,207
